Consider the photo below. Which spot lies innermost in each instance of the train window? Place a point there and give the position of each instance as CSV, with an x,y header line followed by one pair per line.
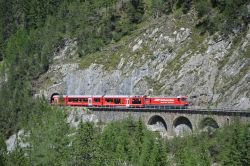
x,y
117,101
136,101
73,99
184,99
97,99
109,100
83,100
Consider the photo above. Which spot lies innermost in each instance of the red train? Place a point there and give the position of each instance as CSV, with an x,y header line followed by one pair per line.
x,y
120,101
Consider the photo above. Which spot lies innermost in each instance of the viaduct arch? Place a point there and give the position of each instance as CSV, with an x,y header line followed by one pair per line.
x,y
182,126
208,122
157,120
172,121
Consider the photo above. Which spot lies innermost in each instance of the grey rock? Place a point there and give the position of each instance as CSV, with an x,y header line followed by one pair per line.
x,y
182,130
76,116
11,143
170,66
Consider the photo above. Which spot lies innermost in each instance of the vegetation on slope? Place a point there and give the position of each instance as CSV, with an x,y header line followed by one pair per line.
x,y
32,31
52,142
30,36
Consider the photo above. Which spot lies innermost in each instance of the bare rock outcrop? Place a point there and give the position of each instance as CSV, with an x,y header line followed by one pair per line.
x,y
162,58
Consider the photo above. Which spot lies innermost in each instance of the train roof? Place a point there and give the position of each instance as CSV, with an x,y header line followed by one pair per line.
x,y
118,96
115,96
166,96
82,96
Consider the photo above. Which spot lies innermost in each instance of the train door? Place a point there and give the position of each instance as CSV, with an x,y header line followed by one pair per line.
x,y
127,102
90,101
179,99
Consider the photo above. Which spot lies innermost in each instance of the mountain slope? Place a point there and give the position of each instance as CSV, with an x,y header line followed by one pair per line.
x,y
167,56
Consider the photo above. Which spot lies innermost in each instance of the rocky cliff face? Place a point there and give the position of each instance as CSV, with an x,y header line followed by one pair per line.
x,y
167,56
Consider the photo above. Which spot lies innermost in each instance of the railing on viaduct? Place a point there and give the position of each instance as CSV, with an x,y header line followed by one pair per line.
x,y
194,119
232,112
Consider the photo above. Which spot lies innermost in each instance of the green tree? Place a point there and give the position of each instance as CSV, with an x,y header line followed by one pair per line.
x,y
48,136
159,7
136,10
159,154
15,92
147,148
203,7
235,145
3,151
185,5
84,144
17,157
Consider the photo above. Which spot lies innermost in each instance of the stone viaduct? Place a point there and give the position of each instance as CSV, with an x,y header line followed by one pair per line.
x,y
195,120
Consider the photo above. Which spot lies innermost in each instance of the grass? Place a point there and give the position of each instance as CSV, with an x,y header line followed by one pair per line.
x,y
1,66
193,45
230,81
111,56
110,61
233,80
235,44
154,84
184,20
87,60
197,39
246,52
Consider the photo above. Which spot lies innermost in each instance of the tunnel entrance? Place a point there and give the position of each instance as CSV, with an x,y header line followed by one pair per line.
x,y
182,126
208,124
51,97
157,123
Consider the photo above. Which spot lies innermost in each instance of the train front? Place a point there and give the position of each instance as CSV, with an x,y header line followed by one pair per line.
x,y
183,100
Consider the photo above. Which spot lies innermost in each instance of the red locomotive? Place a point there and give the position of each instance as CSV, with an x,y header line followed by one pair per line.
x,y
141,101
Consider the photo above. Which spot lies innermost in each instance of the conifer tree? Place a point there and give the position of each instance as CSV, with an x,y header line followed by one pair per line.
x,y
147,147
136,10
139,134
235,147
84,145
48,136
122,145
159,154
17,157
3,150
246,148
229,155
